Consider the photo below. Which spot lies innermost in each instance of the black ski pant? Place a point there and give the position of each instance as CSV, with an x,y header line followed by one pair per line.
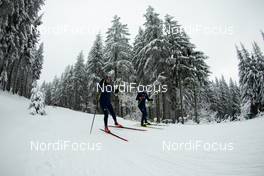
x,y
108,108
143,109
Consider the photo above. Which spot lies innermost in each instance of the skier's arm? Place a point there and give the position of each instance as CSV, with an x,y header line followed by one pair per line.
x,y
137,98
101,82
147,97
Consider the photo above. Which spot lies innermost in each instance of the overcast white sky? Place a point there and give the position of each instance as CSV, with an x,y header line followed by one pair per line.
x,y
214,27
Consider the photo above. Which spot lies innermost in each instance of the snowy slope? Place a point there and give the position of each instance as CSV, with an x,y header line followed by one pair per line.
x,y
143,155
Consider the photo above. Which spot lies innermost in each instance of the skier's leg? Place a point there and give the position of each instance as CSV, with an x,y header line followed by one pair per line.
x,y
105,117
112,112
105,110
142,119
145,115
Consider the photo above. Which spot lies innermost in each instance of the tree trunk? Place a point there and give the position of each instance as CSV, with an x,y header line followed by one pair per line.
x,y
195,104
9,81
116,100
122,114
181,101
2,65
25,85
158,108
163,106
175,103
15,86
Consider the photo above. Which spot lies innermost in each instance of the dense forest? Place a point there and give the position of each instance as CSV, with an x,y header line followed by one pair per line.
x,y
21,55
161,54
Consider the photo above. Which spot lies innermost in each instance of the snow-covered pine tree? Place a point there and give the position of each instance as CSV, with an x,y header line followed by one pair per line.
x,y
56,92
224,95
19,21
234,100
251,66
37,100
222,99
249,82
46,87
242,66
188,72
37,63
207,102
118,54
61,91
149,60
117,49
137,46
174,42
68,87
94,71
3,79
258,55
198,80
79,82
150,56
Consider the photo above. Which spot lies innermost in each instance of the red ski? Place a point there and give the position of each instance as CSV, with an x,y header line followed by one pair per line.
x,y
129,128
115,135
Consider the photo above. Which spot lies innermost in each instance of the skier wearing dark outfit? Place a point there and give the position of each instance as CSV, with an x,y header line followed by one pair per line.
x,y
141,98
105,102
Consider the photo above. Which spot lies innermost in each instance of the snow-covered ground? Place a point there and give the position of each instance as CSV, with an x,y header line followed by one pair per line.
x,y
222,149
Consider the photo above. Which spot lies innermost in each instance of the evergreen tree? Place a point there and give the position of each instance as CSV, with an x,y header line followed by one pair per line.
x,y
94,69
137,46
68,83
150,54
37,101
46,87
55,92
118,54
150,58
249,81
37,63
259,57
117,49
234,100
19,21
79,82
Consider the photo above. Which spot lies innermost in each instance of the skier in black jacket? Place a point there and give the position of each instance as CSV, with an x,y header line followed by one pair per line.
x,y
105,102
141,98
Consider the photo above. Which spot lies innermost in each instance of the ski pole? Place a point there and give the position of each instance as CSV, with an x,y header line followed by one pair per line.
x,y
94,113
92,122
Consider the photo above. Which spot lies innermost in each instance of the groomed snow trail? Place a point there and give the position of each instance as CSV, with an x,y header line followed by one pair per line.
x,y
144,155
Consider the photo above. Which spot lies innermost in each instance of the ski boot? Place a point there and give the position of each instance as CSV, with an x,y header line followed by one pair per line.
x,y
118,125
107,130
147,123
